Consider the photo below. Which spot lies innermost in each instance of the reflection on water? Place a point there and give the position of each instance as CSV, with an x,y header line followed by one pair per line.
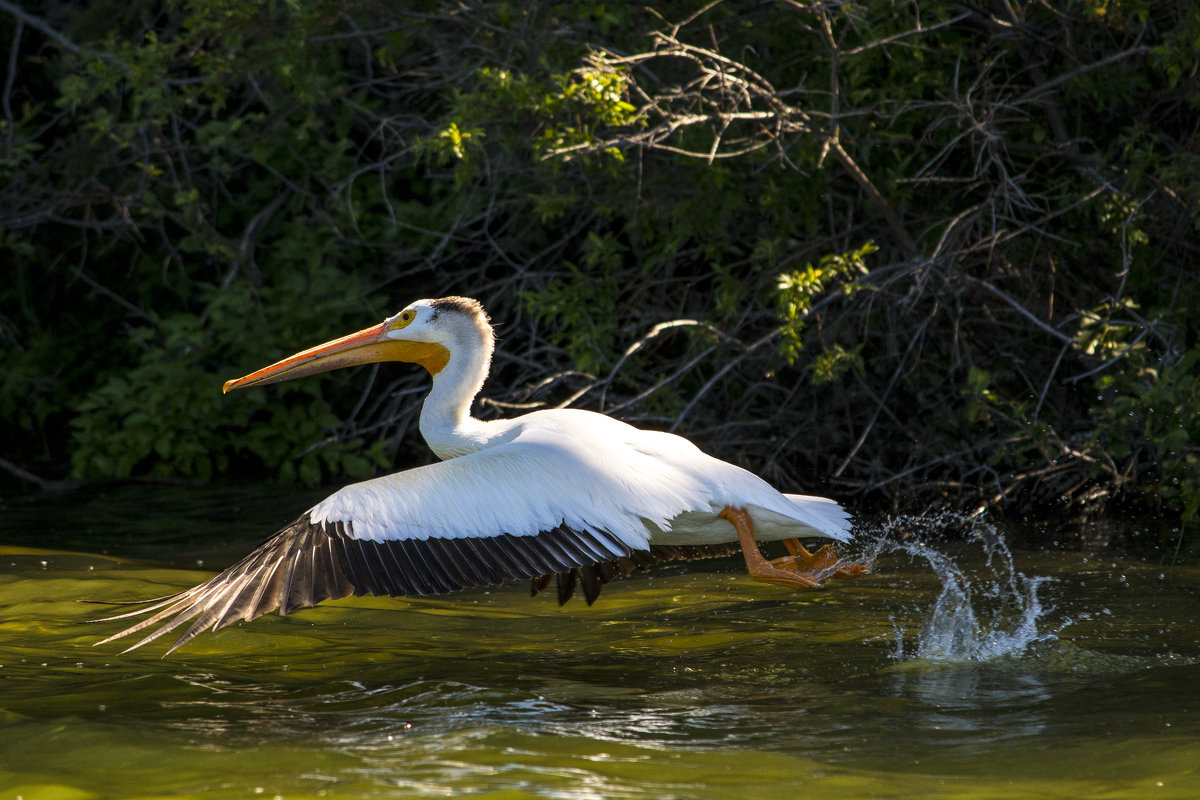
x,y
957,669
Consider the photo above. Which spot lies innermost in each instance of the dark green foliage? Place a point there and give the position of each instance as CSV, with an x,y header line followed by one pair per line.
x,y
935,252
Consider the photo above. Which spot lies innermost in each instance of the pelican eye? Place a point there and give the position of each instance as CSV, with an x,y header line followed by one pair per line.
x,y
402,319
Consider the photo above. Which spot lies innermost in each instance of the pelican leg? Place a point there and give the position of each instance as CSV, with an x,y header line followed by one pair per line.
x,y
823,559
760,569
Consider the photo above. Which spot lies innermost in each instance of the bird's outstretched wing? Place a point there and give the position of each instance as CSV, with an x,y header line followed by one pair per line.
x,y
307,562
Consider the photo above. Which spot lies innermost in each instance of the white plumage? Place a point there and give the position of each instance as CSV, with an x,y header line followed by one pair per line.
x,y
565,492
556,467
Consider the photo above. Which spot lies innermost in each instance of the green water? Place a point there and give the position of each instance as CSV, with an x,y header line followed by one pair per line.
x,y
690,683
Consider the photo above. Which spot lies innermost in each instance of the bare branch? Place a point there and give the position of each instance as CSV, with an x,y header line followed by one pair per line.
x,y
40,25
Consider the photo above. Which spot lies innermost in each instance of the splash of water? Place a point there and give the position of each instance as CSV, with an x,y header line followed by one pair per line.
x,y
981,612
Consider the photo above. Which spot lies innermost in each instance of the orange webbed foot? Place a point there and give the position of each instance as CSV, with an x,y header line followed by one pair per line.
x,y
824,561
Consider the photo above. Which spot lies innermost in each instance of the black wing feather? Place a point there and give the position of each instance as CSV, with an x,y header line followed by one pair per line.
x,y
306,563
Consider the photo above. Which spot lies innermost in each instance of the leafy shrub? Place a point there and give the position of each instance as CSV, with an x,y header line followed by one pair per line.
x,y
917,252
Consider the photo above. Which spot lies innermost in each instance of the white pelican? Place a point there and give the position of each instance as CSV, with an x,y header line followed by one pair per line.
x,y
565,491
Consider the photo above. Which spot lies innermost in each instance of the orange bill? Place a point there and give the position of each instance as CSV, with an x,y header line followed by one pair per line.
x,y
365,347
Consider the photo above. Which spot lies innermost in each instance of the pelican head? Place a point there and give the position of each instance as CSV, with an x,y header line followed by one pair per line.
x,y
427,332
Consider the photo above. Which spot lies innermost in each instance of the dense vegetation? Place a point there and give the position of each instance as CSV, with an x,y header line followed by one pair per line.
x,y
895,252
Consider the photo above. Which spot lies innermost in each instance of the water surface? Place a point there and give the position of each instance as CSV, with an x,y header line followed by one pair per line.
x,y
941,674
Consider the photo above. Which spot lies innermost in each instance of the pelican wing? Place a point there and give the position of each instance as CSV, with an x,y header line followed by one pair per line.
x,y
518,510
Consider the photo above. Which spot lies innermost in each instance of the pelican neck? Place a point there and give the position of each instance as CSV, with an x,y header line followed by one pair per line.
x,y
446,421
